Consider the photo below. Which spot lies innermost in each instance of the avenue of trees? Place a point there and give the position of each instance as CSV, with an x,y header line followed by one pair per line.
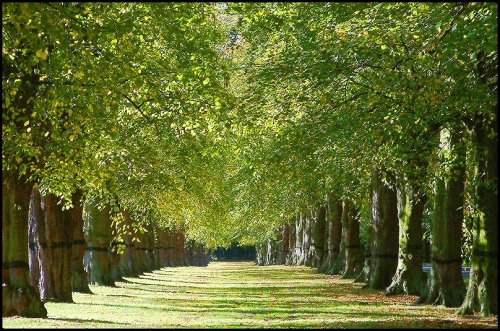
x,y
342,136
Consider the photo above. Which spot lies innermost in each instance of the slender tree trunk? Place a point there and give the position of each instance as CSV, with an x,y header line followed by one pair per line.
x,y
79,281
36,226
98,236
306,242
353,253
446,282
19,297
385,220
291,243
408,276
157,248
299,236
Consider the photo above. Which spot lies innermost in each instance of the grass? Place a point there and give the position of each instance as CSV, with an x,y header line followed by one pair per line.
x,y
241,295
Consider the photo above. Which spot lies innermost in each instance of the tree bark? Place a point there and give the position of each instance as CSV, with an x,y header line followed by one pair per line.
x,y
334,223
19,297
284,246
482,292
59,228
317,236
128,260
446,282
299,236
291,243
261,253
386,231
353,254
36,231
98,236
306,242
365,274
79,281
408,276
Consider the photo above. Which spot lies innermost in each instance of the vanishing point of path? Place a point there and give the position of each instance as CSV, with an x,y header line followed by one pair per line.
x,y
240,294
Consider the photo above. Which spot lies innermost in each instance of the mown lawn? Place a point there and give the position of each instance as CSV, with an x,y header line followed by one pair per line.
x,y
240,294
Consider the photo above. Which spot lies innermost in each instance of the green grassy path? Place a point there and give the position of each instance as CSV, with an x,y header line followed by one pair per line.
x,y
240,294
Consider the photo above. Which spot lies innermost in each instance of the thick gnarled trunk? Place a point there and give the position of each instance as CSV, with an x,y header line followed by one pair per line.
x,y
446,282
384,256
19,297
409,273
482,292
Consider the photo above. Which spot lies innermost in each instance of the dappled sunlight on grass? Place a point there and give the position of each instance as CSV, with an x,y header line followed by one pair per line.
x,y
240,294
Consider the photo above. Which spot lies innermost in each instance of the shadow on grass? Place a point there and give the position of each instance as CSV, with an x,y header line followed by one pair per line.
x,y
81,320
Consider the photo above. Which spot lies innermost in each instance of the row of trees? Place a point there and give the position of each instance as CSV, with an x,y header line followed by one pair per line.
x,y
103,106
388,110
229,121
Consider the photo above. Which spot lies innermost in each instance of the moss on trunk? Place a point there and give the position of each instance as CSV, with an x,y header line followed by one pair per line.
x,y
482,293
446,282
408,276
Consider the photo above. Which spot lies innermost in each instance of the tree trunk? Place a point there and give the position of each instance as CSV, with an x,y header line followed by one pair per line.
x,y
284,246
386,231
306,242
318,236
164,244
408,276
98,236
128,260
334,223
482,292
353,253
261,253
59,228
291,243
114,260
170,249
446,282
299,236
37,225
36,231
19,297
79,281
365,274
